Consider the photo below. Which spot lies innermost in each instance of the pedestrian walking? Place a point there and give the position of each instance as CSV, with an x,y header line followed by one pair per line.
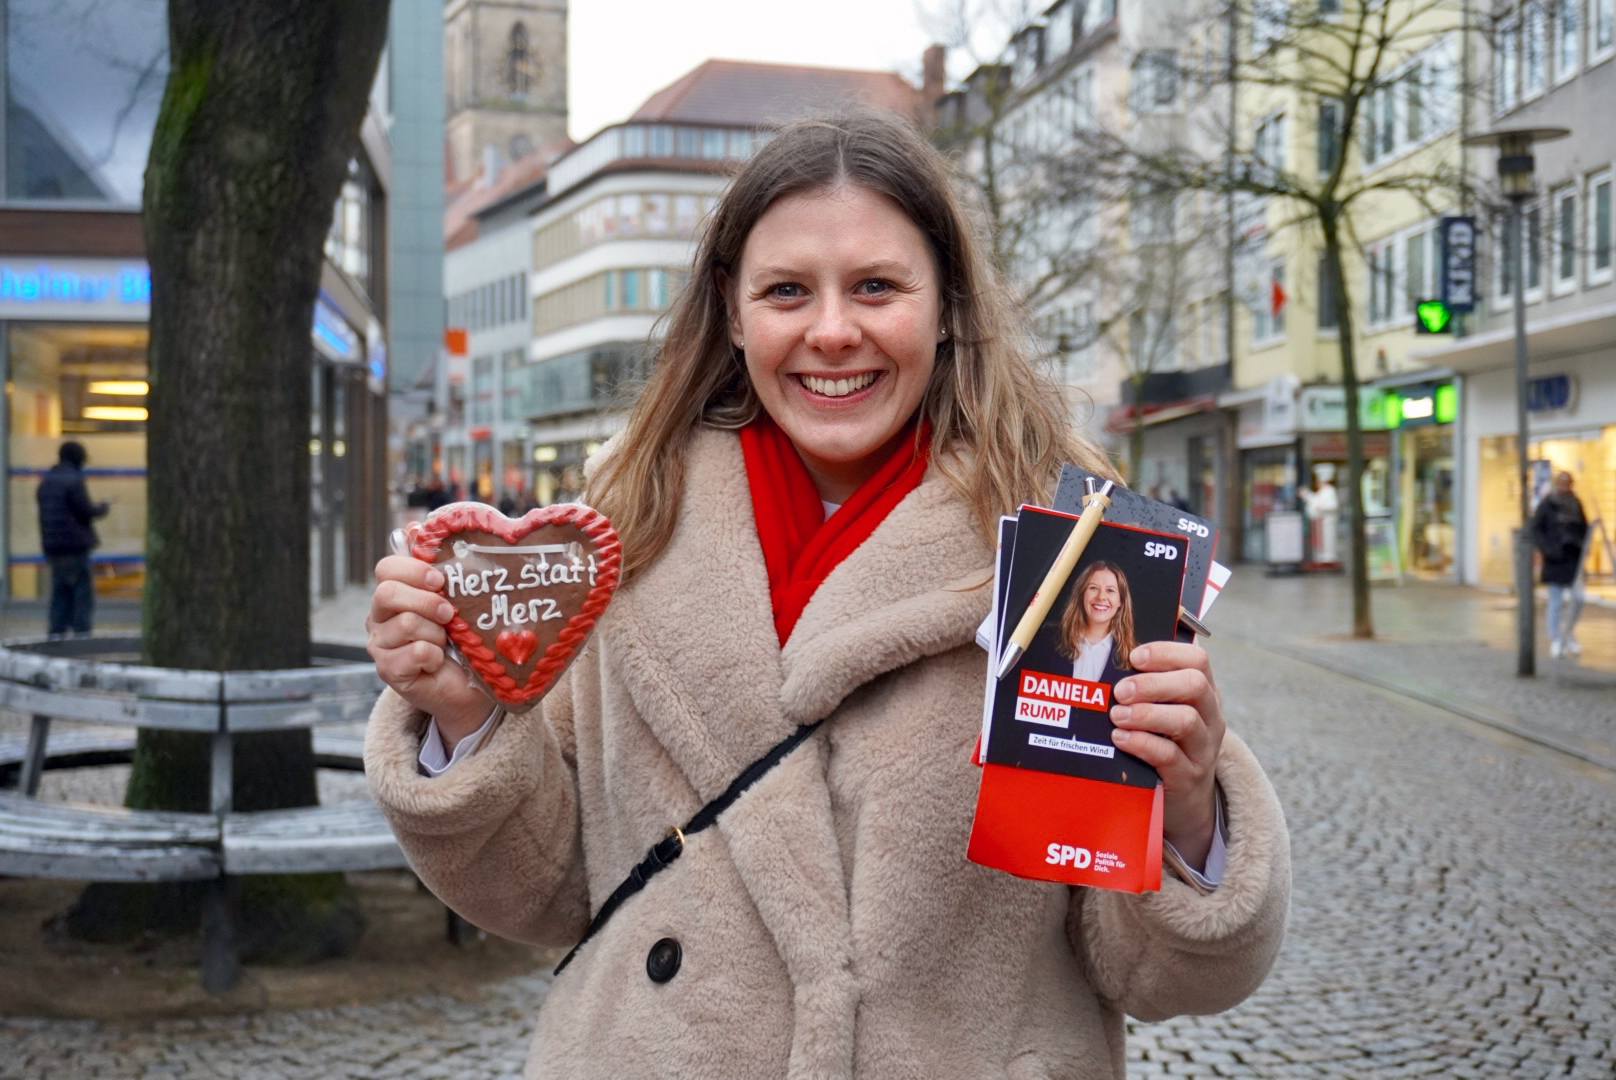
x,y
1560,533
806,493
67,536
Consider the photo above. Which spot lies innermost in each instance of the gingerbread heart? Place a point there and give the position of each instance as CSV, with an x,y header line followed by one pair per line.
x,y
526,592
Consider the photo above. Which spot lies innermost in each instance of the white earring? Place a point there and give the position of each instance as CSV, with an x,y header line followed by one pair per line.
x,y
942,331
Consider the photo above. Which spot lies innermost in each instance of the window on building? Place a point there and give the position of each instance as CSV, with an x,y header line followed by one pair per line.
x,y
1152,341
1268,320
1505,59
1329,136
1268,144
518,62
609,284
1599,227
1155,80
1328,322
1563,204
1268,22
1534,49
686,215
656,289
83,82
1151,217
512,386
1329,7
631,289
1414,102
482,390
1416,284
1602,41
1567,22
1534,247
1503,257
656,215
1374,258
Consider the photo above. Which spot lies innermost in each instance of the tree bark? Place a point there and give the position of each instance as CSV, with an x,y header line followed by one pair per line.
x,y
259,119
1363,625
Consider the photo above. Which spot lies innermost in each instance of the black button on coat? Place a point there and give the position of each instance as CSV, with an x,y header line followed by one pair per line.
x,y
662,962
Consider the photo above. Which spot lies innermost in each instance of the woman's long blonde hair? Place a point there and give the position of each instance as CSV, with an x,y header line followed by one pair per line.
x,y
1000,427
1075,619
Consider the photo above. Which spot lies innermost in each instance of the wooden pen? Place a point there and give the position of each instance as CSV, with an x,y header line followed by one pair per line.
x,y
1094,506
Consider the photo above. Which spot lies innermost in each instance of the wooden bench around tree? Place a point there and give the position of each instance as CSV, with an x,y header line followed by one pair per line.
x,y
98,681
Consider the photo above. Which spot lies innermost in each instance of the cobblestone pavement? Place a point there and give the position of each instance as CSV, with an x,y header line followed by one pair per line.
x,y
1454,912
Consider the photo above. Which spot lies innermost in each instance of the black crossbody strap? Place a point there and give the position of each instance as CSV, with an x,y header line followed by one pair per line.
x,y
669,848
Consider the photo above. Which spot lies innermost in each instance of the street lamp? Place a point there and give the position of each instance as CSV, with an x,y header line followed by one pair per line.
x,y
1515,166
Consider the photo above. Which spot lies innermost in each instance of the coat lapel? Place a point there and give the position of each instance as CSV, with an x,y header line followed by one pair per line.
x,y
694,643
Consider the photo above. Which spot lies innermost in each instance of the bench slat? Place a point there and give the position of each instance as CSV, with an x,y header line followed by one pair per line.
x,y
310,839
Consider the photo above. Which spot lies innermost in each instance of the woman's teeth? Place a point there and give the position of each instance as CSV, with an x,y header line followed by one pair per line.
x,y
837,387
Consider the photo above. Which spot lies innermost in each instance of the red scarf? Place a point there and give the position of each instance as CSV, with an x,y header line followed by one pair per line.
x,y
800,545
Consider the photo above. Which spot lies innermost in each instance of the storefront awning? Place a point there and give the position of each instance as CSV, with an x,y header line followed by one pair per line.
x,y
1546,339
1121,419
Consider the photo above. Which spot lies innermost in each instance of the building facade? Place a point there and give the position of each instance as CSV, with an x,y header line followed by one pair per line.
x,y
75,292
1546,65
1125,281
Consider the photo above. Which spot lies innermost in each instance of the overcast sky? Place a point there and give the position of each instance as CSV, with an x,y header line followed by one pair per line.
x,y
621,52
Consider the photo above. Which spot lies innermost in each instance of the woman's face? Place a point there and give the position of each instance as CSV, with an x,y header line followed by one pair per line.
x,y
837,302
1101,599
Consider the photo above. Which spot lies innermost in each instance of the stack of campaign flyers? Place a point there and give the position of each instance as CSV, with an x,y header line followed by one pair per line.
x,y
1058,801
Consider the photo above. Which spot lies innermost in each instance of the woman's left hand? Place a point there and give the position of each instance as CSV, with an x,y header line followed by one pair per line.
x,y
1168,715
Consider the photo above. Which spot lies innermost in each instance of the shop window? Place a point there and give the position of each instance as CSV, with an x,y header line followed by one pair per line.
x,y
88,384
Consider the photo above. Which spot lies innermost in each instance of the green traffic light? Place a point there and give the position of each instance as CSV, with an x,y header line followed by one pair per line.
x,y
1434,316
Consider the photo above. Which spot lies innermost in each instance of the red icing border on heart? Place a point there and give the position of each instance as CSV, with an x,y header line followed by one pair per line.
x,y
608,552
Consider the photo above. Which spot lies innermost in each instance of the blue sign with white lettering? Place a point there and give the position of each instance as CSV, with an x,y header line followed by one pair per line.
x,y
1550,393
1459,264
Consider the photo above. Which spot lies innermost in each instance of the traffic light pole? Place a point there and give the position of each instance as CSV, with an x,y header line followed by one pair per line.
x,y
1525,612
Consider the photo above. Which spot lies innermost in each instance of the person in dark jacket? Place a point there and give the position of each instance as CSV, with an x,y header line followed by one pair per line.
x,y
67,537
1560,532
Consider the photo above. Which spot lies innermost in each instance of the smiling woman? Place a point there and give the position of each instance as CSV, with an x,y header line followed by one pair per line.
x,y
806,493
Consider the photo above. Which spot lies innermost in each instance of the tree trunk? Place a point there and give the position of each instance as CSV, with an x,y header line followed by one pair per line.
x,y
259,119
1363,625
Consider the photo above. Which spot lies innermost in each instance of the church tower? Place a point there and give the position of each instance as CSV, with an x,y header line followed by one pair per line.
x,y
504,77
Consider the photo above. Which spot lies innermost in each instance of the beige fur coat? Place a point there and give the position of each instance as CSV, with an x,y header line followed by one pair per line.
x,y
830,926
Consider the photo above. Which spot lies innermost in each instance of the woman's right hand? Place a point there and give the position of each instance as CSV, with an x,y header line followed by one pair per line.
x,y
409,644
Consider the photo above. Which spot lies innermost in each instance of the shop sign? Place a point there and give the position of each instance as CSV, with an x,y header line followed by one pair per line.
x,y
1270,419
1551,393
74,289
1324,408
333,337
1418,406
